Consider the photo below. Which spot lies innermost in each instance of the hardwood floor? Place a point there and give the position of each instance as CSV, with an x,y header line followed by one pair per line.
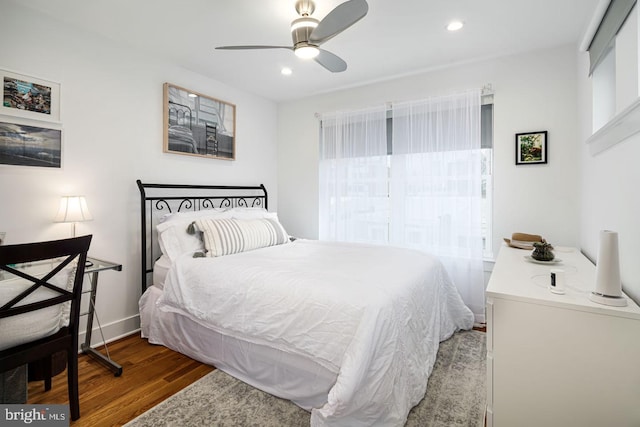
x,y
150,374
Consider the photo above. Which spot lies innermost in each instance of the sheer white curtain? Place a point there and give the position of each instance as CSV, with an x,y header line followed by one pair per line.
x,y
354,174
418,187
436,186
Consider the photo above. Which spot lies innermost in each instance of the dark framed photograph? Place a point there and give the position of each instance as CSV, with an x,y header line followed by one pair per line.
x,y
198,125
22,145
531,148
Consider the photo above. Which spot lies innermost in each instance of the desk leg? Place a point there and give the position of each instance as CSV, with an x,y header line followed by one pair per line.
x,y
86,347
113,366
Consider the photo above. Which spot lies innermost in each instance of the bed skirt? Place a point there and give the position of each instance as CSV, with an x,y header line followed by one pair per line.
x,y
285,375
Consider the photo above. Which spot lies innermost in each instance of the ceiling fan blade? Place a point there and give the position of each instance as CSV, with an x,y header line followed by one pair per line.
x,y
330,61
338,20
252,47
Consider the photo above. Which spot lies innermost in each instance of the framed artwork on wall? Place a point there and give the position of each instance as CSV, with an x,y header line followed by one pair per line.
x,y
198,125
531,148
29,97
26,145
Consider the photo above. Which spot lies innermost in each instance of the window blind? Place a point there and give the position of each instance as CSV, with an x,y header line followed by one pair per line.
x,y
604,38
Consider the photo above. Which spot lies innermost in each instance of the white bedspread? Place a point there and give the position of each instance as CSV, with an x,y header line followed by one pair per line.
x,y
373,314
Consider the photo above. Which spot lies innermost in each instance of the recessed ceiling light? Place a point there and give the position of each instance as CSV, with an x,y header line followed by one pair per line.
x,y
286,71
455,25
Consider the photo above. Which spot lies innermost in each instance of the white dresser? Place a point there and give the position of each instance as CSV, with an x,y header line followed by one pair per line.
x,y
558,360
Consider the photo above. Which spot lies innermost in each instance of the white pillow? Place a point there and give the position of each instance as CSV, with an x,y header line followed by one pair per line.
x,y
231,236
160,270
26,327
172,233
252,213
192,215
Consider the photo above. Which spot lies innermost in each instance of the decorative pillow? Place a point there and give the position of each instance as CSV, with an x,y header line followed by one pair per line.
x,y
172,233
230,236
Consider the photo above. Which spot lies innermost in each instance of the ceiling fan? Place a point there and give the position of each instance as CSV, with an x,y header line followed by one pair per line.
x,y
308,33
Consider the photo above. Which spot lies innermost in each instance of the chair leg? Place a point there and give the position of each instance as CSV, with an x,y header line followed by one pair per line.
x,y
46,365
72,383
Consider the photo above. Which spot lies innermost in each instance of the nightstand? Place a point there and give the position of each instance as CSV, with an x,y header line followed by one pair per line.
x,y
93,268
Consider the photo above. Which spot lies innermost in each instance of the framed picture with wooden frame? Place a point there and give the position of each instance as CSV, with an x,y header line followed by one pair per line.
x,y
198,125
531,148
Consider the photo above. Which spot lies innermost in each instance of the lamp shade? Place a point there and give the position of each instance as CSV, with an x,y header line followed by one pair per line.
x,y
73,209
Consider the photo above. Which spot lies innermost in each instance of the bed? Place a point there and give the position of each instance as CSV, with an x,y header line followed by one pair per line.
x,y
346,331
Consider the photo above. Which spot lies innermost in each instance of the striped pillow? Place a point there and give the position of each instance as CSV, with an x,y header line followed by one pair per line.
x,y
231,236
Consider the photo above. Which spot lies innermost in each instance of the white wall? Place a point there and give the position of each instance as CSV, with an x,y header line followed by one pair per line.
x,y
533,91
112,135
610,199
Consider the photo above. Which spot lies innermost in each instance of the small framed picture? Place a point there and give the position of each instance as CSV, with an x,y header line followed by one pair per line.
x,y
531,148
29,97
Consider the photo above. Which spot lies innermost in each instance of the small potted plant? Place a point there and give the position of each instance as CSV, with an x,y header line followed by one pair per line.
x,y
542,251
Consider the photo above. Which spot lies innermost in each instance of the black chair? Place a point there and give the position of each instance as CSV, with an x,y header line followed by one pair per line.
x,y
21,260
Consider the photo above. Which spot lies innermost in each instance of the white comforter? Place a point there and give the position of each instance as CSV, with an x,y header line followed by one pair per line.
x,y
375,315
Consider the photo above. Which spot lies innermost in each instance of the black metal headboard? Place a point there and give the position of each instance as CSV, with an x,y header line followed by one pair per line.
x,y
157,200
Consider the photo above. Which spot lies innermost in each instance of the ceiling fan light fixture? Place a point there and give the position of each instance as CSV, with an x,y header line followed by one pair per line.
x,y
308,33
307,52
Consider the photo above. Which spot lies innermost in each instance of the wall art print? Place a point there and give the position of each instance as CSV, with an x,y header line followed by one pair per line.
x,y
24,145
198,125
29,97
531,148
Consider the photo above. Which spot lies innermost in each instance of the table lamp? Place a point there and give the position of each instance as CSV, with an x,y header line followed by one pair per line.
x,y
73,209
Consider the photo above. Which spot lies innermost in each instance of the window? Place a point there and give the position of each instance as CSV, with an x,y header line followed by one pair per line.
x,y
367,185
613,54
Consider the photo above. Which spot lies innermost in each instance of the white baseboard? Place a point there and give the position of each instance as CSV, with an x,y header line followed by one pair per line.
x,y
112,331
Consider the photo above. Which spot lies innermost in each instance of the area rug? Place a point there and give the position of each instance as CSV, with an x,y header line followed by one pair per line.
x,y
455,396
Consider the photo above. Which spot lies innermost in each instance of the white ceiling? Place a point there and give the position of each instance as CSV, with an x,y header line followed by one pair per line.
x,y
396,37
